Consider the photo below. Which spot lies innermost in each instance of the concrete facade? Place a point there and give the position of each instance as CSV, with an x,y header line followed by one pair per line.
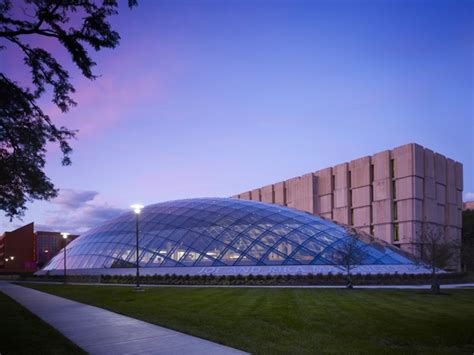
x,y
390,195
468,206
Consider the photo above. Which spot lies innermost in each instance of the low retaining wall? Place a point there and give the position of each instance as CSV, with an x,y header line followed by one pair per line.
x,y
249,270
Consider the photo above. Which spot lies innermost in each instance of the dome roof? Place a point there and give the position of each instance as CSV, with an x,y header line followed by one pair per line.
x,y
217,232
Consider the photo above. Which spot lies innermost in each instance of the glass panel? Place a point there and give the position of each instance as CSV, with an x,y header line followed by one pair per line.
x,y
202,242
297,237
303,256
309,230
245,260
168,263
156,260
273,258
190,258
228,236
315,246
230,257
281,230
215,249
285,247
253,232
269,239
204,261
145,257
241,243
257,251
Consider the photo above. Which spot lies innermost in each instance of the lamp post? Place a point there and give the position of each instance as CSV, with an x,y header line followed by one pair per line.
x,y
137,209
65,235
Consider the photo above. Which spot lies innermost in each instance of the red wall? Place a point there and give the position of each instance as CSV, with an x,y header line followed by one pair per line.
x,y
20,244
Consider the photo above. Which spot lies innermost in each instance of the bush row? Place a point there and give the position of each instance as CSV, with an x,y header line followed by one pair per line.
x,y
310,279
300,280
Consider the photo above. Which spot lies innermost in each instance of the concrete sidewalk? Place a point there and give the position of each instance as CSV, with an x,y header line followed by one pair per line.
x,y
98,331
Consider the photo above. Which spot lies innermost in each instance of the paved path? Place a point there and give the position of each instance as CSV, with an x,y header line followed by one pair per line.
x,y
98,331
407,287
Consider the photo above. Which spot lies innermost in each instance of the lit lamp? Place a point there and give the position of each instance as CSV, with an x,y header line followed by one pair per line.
x,y
65,235
137,209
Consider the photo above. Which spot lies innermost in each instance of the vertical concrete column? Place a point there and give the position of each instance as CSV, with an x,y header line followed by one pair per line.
x,y
430,205
301,193
361,193
408,198
255,195
324,196
382,197
267,194
280,193
245,195
341,193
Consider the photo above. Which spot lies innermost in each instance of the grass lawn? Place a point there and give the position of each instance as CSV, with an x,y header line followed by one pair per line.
x,y
297,321
21,332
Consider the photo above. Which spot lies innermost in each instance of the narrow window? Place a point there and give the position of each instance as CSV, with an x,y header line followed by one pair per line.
x,y
394,189
392,168
371,172
395,211
396,236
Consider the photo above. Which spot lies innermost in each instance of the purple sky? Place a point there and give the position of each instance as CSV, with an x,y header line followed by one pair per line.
x,y
211,98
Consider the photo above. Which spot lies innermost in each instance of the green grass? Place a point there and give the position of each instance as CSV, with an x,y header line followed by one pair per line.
x,y
21,332
297,321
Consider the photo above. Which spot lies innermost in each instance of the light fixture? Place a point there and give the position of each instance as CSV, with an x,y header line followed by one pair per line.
x,y
65,235
137,208
12,258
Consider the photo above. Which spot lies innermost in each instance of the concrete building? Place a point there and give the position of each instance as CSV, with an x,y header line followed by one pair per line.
x,y
468,206
390,195
24,250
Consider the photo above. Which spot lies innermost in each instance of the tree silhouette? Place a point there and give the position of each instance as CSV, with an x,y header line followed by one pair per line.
x,y
467,250
25,129
437,251
349,253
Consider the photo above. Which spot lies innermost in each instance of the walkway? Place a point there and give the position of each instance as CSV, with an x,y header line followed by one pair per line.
x,y
98,331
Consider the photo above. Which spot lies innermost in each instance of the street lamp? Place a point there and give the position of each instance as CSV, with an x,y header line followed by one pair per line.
x,y
65,235
137,209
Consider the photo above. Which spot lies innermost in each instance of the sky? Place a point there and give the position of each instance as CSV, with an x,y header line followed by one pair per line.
x,y
212,98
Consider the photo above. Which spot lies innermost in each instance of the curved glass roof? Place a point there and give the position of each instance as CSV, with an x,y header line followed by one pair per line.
x,y
218,232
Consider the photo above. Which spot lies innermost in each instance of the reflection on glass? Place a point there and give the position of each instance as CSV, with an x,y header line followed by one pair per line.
x,y
216,232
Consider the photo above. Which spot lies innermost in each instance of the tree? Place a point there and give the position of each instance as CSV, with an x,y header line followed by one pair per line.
x,y
436,251
350,253
25,129
467,248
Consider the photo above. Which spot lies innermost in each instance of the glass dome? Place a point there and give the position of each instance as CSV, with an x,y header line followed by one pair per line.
x,y
218,232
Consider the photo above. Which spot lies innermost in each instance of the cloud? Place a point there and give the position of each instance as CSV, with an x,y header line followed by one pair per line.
x,y
77,211
469,196
70,198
